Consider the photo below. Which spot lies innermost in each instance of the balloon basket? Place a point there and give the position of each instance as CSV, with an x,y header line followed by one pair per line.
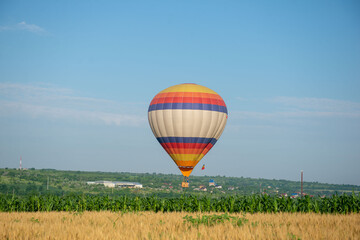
x,y
185,182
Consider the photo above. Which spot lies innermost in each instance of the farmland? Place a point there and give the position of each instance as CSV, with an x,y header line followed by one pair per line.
x,y
50,204
150,225
342,204
57,182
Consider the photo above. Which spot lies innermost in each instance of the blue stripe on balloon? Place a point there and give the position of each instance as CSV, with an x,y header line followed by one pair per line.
x,y
195,106
186,140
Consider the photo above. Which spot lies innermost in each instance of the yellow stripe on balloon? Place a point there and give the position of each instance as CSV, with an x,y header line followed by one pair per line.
x,y
188,87
186,163
186,157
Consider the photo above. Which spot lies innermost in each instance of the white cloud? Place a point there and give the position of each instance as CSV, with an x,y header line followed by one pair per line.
x,y
295,114
15,88
301,108
4,28
319,104
23,26
30,27
59,103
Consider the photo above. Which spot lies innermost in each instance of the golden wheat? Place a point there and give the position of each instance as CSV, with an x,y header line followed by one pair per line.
x,y
149,225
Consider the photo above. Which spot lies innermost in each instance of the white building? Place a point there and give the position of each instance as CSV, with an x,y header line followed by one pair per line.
x,y
109,184
117,184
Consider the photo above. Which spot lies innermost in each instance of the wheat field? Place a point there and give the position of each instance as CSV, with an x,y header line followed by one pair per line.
x,y
150,225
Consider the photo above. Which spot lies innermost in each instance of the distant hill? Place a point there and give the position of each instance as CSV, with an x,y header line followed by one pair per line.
x,y
43,181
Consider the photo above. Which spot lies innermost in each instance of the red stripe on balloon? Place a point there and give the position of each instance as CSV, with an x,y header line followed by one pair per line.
x,y
188,100
187,145
188,94
187,150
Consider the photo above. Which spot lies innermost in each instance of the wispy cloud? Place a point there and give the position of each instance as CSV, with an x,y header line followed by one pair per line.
x,y
58,103
301,108
319,104
4,28
23,26
30,27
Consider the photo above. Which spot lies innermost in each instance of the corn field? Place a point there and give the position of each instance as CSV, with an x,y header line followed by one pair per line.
x,y
342,204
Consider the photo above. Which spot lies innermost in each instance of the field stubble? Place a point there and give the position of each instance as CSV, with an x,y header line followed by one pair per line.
x,y
150,225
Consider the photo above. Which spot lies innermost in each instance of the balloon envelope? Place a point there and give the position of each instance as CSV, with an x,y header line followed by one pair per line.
x,y
187,120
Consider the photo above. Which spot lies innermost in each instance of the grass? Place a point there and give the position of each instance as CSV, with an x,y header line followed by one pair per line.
x,y
211,220
177,225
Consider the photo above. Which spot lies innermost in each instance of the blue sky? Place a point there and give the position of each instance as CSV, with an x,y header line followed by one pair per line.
x,y
76,79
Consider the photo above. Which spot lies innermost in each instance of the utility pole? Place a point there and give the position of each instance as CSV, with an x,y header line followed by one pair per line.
x,y
302,180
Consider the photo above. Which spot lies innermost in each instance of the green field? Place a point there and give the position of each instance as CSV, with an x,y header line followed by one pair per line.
x,y
56,182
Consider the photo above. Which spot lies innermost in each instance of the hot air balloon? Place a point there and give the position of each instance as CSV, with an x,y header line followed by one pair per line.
x,y
187,120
